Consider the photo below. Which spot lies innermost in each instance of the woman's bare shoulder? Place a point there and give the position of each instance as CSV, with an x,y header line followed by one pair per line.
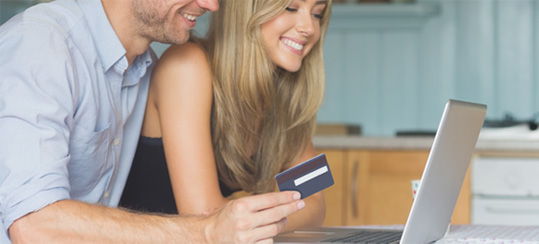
x,y
184,60
180,66
186,52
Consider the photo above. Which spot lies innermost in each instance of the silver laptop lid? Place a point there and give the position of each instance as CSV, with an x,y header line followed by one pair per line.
x,y
444,172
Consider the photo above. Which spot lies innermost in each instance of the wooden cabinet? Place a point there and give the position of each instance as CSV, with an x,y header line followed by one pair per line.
x,y
372,187
335,196
379,185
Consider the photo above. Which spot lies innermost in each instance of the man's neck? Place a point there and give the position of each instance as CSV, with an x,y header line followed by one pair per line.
x,y
123,22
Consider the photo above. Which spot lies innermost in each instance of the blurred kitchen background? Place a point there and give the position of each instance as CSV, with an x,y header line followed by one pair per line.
x,y
391,66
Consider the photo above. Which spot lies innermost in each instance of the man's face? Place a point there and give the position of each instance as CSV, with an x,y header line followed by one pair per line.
x,y
169,21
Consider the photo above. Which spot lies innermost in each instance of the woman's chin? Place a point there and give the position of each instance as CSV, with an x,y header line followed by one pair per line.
x,y
291,68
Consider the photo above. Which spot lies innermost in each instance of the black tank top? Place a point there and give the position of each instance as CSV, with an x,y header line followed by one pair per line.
x,y
148,186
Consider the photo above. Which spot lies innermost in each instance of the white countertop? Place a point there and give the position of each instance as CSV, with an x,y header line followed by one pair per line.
x,y
421,143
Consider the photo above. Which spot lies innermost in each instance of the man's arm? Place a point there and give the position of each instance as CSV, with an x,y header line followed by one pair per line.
x,y
73,221
247,220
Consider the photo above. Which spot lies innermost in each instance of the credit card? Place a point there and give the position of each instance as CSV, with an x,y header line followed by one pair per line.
x,y
307,178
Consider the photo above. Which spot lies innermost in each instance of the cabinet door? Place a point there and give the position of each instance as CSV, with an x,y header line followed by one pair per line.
x,y
461,214
379,187
334,196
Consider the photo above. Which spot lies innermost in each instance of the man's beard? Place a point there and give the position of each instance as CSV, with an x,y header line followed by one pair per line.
x,y
153,26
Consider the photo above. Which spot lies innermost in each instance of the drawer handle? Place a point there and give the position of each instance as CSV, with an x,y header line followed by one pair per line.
x,y
512,211
354,189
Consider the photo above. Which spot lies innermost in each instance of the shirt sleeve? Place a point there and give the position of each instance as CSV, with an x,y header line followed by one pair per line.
x,y
36,107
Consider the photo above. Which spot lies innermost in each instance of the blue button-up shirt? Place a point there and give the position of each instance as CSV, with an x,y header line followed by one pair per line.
x,y
71,108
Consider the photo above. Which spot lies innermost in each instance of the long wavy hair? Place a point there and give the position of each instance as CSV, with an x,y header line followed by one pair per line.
x,y
263,117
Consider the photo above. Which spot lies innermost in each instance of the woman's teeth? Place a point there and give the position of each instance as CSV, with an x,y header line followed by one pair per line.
x,y
190,17
293,44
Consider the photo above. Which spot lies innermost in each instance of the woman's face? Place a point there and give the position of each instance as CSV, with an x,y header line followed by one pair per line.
x,y
289,37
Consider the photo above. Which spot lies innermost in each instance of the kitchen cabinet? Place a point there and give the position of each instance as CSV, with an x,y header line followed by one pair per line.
x,y
372,177
335,196
372,187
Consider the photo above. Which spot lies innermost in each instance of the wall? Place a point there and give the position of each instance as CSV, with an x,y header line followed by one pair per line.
x,y
373,66
394,68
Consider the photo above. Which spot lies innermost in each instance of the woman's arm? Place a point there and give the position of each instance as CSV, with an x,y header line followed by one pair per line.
x,y
182,95
315,211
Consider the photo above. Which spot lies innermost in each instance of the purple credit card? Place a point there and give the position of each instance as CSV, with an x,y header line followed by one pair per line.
x,y
307,178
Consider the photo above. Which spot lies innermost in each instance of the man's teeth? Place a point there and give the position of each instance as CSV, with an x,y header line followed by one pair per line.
x,y
190,17
293,44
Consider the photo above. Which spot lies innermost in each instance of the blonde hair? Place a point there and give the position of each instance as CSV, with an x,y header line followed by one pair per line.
x,y
263,117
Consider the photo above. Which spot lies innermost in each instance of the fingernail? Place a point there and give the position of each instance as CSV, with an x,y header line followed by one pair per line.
x,y
301,204
296,196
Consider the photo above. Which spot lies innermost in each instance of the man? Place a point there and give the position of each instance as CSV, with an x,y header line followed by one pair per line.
x,y
73,87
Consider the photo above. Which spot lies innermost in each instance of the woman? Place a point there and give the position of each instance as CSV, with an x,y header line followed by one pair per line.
x,y
234,110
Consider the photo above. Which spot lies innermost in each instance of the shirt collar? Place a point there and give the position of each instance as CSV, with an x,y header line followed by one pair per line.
x,y
109,47
140,67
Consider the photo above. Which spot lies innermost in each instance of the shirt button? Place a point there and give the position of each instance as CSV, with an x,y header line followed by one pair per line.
x,y
116,142
106,194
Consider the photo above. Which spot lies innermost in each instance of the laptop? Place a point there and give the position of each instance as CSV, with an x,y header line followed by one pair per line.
x,y
435,200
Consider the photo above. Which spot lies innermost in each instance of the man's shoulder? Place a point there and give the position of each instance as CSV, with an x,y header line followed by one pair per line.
x,y
53,28
51,38
60,17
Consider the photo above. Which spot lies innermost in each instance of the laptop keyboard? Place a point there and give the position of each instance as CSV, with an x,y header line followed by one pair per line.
x,y
369,237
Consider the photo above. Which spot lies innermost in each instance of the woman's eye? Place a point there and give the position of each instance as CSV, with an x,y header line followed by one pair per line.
x,y
289,9
318,16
